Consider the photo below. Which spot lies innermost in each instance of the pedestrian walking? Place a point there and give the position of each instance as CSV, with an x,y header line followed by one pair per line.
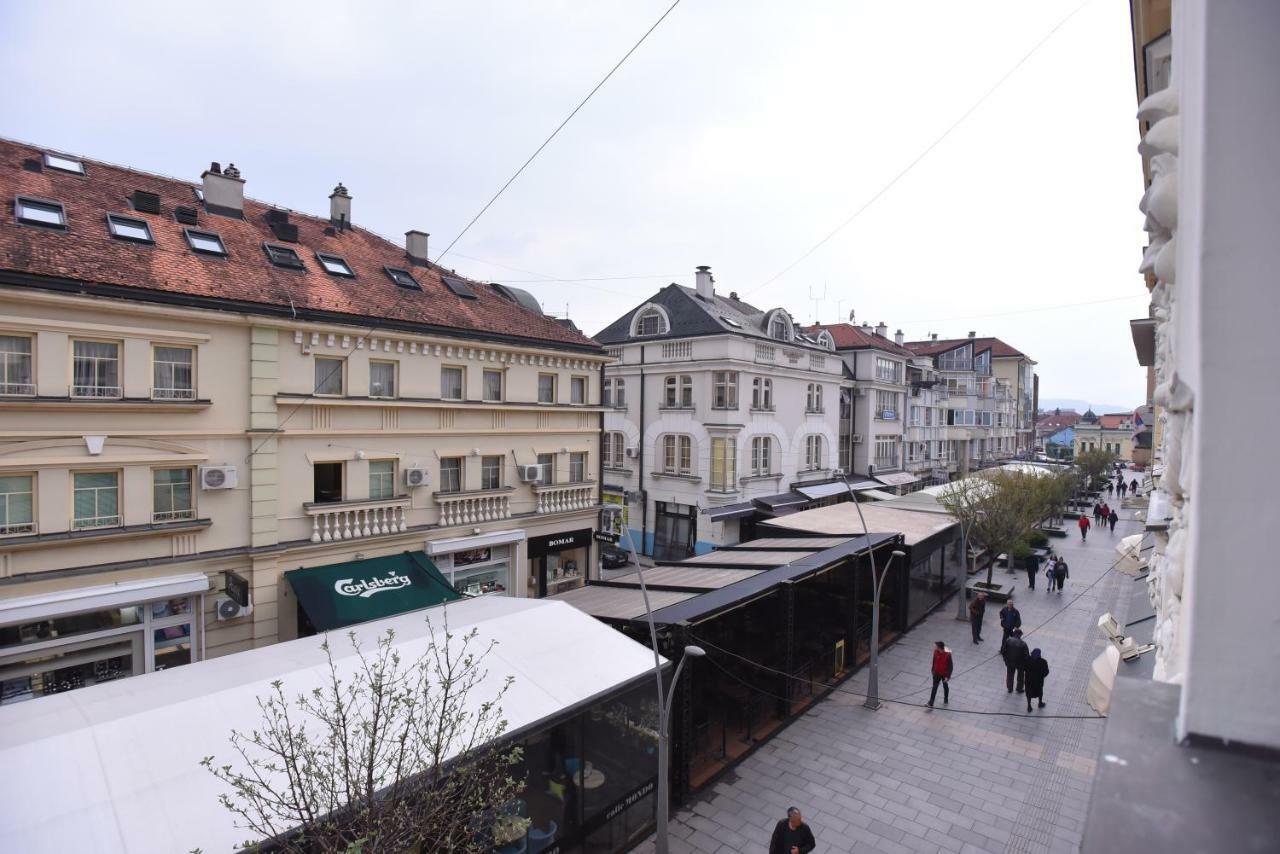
x,y
1015,654
1060,574
1037,669
941,670
1032,565
1134,486
1010,619
1084,527
1113,518
977,610
792,835
1111,487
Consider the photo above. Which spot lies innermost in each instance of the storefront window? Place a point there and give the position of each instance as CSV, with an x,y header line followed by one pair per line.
x,y
479,572
172,646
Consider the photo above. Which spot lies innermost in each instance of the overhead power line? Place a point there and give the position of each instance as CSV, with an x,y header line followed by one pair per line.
x,y
559,128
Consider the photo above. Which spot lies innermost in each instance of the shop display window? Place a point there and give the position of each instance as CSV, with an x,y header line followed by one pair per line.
x,y
480,572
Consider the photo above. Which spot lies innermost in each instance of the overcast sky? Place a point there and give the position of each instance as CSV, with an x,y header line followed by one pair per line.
x,y
739,135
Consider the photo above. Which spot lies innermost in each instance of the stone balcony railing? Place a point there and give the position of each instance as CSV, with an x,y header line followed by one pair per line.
x,y
353,520
562,497
465,508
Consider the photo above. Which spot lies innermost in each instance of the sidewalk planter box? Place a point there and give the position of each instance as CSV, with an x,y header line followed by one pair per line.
x,y
998,590
1056,530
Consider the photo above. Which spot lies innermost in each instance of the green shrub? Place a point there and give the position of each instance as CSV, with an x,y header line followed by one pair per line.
x,y
1038,539
1020,552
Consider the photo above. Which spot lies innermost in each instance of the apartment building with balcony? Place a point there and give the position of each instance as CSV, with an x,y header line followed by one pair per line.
x,y
220,415
715,411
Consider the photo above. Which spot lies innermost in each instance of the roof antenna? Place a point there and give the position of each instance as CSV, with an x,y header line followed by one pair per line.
x,y
292,309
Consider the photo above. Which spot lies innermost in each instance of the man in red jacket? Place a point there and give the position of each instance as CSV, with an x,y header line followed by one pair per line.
x,y
1084,527
942,666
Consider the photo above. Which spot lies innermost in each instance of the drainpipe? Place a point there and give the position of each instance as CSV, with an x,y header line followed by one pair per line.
x,y
594,547
644,501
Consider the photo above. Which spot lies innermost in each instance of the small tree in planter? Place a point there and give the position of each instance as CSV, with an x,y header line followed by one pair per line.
x,y
998,509
1093,464
387,756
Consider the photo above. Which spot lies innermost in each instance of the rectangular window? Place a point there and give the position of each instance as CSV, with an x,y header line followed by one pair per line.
x,y
95,500
327,482
403,278
171,495
761,452
95,369
812,452
36,212
762,393
546,388
546,469
493,386
612,448
382,379
451,474
17,504
328,376
577,389
64,164
491,472
888,371
382,479
451,383
724,452
172,373
205,242
724,390
128,228
16,376
615,393
578,467
283,256
335,265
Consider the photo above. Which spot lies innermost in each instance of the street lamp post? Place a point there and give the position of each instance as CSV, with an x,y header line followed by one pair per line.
x,y
962,613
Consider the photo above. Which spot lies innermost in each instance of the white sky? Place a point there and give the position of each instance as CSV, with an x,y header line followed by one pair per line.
x,y
738,136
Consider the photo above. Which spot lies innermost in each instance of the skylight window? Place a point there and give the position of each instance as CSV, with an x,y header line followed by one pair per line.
x,y
730,321
335,265
128,228
403,278
205,242
283,256
458,286
40,212
64,164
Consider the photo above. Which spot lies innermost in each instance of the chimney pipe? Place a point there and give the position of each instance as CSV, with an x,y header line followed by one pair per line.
x,y
933,336
415,246
223,191
882,330
704,283
897,338
340,207
972,333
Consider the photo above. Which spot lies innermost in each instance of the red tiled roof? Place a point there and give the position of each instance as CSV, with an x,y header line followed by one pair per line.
x,y
1057,421
1114,420
849,337
932,348
85,252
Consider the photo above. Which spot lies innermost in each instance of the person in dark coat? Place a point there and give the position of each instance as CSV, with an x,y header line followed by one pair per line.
x,y
1097,513
1060,574
1113,518
1133,487
1032,565
1111,488
1014,652
1037,669
1010,619
941,672
1084,527
1120,487
792,835
977,610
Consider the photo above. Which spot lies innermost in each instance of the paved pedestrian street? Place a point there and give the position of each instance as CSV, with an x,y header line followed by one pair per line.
x,y
956,778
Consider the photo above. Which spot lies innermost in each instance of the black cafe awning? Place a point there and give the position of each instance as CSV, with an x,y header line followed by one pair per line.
x,y
357,591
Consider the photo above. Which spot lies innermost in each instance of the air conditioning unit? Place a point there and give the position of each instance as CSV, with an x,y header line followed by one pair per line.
x,y
229,609
859,391
218,477
857,438
530,473
415,477
632,453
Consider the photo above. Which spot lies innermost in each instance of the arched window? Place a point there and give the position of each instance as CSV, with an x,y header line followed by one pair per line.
x,y
779,326
677,454
762,393
650,320
813,452
761,456
813,399
678,392
826,341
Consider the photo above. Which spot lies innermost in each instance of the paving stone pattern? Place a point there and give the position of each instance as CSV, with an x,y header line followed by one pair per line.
x,y
912,779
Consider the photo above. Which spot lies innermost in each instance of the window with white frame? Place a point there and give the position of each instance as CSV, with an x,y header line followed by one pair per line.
x,y
888,371
761,455
16,375
452,382
678,392
779,328
546,469
382,479
578,390
677,454
491,472
812,452
546,388
651,322
813,398
172,499
172,373
886,453
724,388
95,369
382,379
451,474
762,393
17,504
328,376
886,405
578,467
492,382
615,393
95,500
613,447
724,463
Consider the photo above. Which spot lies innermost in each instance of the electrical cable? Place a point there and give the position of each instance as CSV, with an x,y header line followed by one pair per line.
x,y
559,128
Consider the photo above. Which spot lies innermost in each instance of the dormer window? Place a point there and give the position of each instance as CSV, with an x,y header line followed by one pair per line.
x,y
335,265
651,323
205,242
779,328
283,256
128,228
39,212
64,164
403,278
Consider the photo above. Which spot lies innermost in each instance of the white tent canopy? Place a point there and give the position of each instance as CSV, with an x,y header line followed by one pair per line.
x,y
116,767
1130,561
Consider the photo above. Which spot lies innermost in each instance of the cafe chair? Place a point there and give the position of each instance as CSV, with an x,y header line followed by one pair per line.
x,y
538,840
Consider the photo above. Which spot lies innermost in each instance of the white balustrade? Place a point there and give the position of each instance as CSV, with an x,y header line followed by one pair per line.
x,y
353,520
560,498
465,508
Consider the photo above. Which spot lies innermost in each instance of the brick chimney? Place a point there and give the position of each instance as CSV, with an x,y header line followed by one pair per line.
x,y
897,338
704,283
340,207
882,330
415,246
223,190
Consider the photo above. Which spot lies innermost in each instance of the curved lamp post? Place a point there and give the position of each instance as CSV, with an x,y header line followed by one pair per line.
x,y
962,612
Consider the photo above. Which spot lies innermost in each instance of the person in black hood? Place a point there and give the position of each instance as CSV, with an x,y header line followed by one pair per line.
x,y
792,835
1014,653
1037,670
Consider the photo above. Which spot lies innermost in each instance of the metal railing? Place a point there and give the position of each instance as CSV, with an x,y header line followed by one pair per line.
x,y
85,523
173,394
14,529
161,517
18,389
96,391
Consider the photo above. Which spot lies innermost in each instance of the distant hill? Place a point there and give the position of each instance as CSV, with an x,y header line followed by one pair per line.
x,y
1082,406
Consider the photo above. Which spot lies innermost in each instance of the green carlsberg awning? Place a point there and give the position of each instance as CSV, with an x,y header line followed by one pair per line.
x,y
361,590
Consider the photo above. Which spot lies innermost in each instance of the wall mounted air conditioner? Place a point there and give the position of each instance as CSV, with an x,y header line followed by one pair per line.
x,y
416,476
529,473
859,391
857,438
229,609
632,453
218,477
